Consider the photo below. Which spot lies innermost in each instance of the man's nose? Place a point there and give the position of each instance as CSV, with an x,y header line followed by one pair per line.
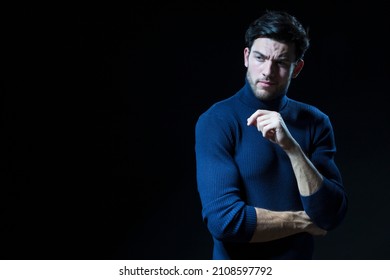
x,y
268,67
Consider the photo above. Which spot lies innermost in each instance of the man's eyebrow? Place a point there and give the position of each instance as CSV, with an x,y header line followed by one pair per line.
x,y
259,53
282,56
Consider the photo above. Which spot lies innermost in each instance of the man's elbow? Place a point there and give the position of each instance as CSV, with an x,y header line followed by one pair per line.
x,y
331,221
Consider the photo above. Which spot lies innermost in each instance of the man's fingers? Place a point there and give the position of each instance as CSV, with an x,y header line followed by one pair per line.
x,y
252,119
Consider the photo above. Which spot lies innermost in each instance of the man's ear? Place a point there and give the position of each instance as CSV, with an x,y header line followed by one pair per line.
x,y
246,56
298,67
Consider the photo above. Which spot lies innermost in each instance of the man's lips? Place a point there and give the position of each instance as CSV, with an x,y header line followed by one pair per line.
x,y
265,83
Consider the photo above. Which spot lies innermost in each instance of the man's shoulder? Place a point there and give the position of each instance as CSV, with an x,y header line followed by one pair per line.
x,y
221,107
307,108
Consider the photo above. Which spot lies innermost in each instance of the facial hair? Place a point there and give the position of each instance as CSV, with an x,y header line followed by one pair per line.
x,y
264,96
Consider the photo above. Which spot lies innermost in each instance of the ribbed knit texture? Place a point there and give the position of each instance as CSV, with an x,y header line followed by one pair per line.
x,y
238,169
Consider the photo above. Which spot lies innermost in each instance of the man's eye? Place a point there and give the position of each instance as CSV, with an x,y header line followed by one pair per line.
x,y
283,63
260,58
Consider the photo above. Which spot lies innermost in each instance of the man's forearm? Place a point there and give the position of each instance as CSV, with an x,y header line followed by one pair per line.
x,y
272,225
308,178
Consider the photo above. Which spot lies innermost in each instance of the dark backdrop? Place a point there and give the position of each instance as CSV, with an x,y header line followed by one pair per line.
x,y
98,107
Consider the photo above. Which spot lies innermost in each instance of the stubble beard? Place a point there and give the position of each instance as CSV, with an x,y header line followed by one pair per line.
x,y
261,94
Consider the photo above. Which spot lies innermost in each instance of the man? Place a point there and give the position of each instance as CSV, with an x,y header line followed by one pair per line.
x,y
266,174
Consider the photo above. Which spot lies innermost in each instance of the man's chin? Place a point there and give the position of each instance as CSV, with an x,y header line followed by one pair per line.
x,y
265,96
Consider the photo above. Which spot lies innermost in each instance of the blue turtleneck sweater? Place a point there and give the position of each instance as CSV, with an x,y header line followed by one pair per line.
x,y
238,170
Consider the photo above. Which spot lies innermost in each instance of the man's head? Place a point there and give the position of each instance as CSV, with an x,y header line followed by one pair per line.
x,y
279,26
275,45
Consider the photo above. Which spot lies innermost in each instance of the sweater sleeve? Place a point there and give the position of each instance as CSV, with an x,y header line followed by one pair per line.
x,y
326,207
225,213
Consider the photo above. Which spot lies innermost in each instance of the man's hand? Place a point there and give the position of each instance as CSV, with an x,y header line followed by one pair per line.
x,y
301,218
273,128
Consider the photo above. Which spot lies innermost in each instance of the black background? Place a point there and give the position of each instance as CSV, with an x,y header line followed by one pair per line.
x,y
99,103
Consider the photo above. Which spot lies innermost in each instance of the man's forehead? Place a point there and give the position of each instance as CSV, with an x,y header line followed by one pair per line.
x,y
267,46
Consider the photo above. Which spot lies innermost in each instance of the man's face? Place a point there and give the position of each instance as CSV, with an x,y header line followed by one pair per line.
x,y
270,67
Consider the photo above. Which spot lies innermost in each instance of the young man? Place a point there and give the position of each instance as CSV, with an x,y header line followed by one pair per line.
x,y
265,163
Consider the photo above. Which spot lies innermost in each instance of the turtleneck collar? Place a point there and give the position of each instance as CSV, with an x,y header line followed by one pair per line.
x,y
248,97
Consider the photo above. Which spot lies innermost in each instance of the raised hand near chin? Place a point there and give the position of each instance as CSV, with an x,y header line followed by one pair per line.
x,y
272,127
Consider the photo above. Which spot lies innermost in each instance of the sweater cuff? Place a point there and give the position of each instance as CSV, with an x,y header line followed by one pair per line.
x,y
325,207
251,221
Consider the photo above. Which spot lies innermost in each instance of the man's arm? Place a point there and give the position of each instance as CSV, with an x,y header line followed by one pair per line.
x,y
274,129
273,225
308,178
322,194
